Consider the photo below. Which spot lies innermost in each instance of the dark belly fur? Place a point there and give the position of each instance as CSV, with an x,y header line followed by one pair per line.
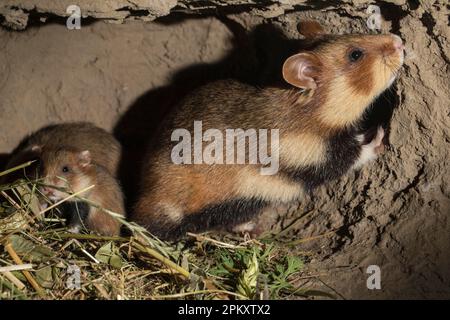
x,y
214,217
75,212
342,152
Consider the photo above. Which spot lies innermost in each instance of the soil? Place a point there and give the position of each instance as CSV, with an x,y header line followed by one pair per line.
x,y
124,76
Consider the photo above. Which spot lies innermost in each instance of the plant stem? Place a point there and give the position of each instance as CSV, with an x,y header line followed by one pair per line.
x,y
90,237
138,246
180,295
26,164
27,275
163,259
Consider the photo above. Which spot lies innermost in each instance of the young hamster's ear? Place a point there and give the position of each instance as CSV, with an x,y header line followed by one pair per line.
x,y
310,29
85,158
300,70
35,148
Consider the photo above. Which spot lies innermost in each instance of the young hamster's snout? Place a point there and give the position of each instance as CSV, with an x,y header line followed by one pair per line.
x,y
63,172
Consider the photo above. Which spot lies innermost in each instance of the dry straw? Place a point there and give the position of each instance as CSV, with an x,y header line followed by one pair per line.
x,y
39,256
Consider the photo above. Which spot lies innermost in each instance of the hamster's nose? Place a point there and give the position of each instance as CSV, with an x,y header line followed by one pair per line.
x,y
47,191
398,43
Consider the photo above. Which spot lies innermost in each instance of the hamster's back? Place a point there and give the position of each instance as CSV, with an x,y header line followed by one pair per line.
x,y
104,148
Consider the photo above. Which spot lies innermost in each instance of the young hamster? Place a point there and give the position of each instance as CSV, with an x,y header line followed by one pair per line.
x,y
65,171
104,148
331,85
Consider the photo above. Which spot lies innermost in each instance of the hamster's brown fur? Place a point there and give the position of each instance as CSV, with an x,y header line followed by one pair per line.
x,y
318,118
104,148
65,171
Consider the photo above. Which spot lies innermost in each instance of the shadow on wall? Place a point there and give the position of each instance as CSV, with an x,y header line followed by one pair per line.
x,y
3,160
256,58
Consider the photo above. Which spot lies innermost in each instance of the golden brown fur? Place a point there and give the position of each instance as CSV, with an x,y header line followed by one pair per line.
x,y
82,173
105,149
61,145
335,94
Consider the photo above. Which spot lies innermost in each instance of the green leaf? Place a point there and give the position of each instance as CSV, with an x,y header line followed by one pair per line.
x,y
13,222
294,264
109,254
28,196
45,276
247,280
29,251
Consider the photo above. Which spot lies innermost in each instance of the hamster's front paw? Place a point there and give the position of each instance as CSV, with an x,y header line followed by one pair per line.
x,y
371,150
377,141
74,229
246,227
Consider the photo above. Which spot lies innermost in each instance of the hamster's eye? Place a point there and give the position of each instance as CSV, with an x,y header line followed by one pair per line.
x,y
65,169
355,55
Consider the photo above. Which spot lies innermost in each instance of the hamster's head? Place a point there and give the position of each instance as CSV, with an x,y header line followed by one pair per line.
x,y
346,73
64,172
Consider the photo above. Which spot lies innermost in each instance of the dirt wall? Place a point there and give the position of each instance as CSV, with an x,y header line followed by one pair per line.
x,y
395,213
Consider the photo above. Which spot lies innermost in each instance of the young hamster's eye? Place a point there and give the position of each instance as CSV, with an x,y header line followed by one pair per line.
x,y
355,55
65,169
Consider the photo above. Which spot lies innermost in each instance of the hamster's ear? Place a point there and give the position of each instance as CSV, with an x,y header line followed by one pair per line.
x,y
35,148
310,29
301,69
85,158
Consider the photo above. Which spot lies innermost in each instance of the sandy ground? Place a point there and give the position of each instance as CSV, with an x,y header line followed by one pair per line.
x,y
395,213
